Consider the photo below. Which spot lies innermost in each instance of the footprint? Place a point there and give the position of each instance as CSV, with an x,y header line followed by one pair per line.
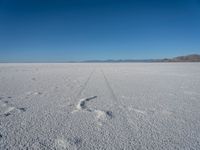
x,y
74,141
166,112
100,114
103,114
34,79
82,103
33,93
1,136
6,102
61,143
8,109
22,109
37,93
109,113
70,143
7,114
140,111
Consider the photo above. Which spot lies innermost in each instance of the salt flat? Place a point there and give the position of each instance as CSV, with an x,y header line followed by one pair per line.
x,y
100,106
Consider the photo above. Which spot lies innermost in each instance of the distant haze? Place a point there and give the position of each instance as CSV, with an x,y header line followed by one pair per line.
x,y
78,30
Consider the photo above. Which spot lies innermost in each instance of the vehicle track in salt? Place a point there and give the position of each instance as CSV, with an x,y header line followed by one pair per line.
x,y
117,102
85,85
122,108
82,104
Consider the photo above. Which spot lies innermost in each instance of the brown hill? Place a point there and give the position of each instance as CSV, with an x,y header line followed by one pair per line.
x,y
187,58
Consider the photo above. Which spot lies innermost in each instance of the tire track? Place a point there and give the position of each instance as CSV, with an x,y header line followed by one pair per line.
x,y
117,102
126,127
82,104
85,84
126,115
83,87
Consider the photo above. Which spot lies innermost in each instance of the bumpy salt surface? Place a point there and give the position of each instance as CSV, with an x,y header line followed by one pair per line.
x,y
100,106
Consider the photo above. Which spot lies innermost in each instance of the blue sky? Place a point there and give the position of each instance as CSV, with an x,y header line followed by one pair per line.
x,y
60,30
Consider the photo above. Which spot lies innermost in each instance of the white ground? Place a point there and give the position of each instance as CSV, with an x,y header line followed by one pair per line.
x,y
100,106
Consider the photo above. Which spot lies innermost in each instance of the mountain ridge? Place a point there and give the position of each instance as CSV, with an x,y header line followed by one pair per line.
x,y
185,58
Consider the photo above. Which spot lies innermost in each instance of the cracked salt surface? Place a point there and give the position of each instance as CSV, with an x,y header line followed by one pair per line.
x,y
100,106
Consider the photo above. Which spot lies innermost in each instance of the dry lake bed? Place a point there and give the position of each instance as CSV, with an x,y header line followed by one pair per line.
x,y
100,106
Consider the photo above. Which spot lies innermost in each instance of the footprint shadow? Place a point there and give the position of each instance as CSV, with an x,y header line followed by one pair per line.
x,y
7,114
90,98
109,113
82,103
22,109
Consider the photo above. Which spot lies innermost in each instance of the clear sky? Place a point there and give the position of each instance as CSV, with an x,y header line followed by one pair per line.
x,y
59,30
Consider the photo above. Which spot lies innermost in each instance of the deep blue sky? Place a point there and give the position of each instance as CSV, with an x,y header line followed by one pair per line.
x,y
59,30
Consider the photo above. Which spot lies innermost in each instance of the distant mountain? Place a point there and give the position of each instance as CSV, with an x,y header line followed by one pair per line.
x,y
187,58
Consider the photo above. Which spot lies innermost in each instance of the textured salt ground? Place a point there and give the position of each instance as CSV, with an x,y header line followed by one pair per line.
x,y
100,106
